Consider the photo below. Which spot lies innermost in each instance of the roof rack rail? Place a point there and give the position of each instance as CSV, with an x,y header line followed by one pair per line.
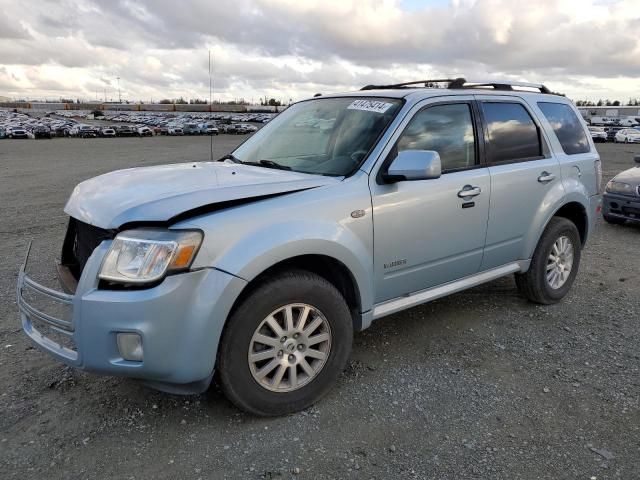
x,y
424,83
507,85
458,83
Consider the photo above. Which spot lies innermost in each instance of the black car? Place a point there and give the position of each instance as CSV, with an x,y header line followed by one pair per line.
x,y
42,132
236,129
621,199
611,133
125,131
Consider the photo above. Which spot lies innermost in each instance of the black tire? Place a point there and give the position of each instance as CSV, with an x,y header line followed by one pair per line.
x,y
614,220
533,283
235,376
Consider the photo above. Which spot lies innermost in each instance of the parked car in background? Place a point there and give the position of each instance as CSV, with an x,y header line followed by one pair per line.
x,y
259,267
175,130
107,132
628,122
191,129
125,131
611,133
249,128
598,134
236,129
144,131
42,132
83,131
621,200
208,129
628,135
17,132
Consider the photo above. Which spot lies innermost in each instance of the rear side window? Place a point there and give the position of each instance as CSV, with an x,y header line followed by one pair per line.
x,y
513,135
567,127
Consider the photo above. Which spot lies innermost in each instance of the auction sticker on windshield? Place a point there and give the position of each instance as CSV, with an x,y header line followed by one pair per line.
x,y
370,106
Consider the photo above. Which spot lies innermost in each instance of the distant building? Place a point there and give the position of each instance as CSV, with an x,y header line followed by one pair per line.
x,y
612,112
4,99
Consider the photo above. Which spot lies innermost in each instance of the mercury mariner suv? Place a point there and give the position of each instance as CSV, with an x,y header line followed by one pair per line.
x,y
345,208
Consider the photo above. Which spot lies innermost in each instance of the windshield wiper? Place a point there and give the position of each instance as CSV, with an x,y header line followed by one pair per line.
x,y
259,163
272,164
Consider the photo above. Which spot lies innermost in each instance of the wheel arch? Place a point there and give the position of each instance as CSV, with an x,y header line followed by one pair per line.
x,y
328,267
571,207
577,214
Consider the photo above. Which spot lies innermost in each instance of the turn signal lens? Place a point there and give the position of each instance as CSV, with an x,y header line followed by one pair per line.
x,y
182,258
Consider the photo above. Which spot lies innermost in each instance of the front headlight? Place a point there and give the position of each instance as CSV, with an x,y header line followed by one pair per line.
x,y
619,187
147,255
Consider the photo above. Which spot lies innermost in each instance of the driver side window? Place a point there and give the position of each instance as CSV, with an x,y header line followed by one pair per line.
x,y
446,129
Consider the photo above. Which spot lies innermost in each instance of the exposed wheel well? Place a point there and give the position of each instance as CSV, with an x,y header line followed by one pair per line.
x,y
328,268
576,213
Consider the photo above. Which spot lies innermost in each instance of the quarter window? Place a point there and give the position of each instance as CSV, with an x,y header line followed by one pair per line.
x,y
446,129
567,127
513,135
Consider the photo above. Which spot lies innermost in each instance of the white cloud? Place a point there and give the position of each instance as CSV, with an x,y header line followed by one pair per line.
x,y
292,48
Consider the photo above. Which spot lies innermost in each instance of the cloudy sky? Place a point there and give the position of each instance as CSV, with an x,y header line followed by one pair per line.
x,y
295,48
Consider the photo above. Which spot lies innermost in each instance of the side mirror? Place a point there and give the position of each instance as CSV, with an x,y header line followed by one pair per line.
x,y
636,159
414,165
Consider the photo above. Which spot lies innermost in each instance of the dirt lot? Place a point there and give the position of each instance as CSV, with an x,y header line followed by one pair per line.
x,y
478,385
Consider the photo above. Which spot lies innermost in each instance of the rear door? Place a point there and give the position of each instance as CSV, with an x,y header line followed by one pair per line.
x,y
570,142
524,176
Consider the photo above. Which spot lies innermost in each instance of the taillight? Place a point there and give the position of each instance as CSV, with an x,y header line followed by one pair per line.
x,y
598,168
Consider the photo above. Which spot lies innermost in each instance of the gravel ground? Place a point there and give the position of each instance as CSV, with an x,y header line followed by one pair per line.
x,y
480,385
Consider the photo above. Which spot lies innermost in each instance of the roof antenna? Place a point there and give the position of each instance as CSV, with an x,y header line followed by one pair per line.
x,y
210,107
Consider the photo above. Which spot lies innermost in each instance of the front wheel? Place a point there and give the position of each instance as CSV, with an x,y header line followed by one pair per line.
x,y
285,345
554,264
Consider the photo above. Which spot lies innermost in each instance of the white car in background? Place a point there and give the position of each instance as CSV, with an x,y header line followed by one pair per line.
x,y
598,134
144,131
175,130
628,135
108,132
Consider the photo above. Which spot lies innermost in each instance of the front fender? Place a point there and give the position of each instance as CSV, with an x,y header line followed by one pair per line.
x,y
265,247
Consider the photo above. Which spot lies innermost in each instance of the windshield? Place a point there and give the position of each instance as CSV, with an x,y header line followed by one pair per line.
x,y
326,136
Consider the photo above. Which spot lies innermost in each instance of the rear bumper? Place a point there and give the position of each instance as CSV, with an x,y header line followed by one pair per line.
x,y
621,206
180,322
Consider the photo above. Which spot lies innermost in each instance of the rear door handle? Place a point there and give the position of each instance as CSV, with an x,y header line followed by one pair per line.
x,y
546,177
469,191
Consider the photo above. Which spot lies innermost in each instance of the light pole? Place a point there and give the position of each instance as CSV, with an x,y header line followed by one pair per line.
x,y
119,97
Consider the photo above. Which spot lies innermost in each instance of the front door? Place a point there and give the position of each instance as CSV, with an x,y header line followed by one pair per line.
x,y
429,232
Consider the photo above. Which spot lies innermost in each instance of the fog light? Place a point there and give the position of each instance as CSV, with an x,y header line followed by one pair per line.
x,y
130,346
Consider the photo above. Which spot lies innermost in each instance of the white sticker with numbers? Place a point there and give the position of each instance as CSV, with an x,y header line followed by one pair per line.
x,y
370,106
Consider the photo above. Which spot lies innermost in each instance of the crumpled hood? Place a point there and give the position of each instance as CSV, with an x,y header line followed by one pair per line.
x,y
160,193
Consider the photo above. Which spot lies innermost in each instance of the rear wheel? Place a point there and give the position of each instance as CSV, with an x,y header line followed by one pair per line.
x,y
285,345
554,264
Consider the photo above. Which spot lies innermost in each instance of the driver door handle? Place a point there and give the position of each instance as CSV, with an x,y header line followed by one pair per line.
x,y
546,177
469,191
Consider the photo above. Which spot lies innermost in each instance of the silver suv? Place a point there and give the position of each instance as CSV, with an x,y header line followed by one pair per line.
x,y
342,210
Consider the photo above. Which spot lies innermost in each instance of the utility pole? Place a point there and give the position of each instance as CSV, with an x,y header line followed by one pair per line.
x,y
119,97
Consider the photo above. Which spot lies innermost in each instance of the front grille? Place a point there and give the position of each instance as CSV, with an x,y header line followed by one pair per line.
x,y
80,242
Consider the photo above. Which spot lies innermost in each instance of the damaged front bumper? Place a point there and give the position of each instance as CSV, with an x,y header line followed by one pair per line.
x,y
179,322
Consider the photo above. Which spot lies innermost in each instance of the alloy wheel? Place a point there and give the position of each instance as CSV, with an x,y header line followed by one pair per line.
x,y
289,348
559,262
